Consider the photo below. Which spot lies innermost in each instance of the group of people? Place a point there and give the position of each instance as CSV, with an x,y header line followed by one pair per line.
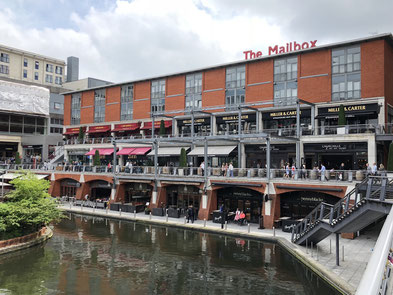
x,y
227,170
373,170
240,217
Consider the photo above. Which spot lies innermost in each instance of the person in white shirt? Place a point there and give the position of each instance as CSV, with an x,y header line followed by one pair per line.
x,y
203,167
230,168
374,169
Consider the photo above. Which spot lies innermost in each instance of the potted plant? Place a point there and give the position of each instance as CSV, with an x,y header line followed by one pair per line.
x,y
147,210
81,135
162,128
96,159
17,158
182,162
390,157
342,122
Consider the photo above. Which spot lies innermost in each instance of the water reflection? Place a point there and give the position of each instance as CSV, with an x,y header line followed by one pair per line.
x,y
99,256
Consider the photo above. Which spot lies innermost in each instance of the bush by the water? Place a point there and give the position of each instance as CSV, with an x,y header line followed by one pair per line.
x,y
27,208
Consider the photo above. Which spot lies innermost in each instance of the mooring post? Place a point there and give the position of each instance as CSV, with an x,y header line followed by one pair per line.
x,y
204,222
226,225
337,249
150,216
134,214
166,216
119,212
274,231
249,228
184,220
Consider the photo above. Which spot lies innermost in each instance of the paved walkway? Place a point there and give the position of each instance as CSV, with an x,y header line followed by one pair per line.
x,y
347,276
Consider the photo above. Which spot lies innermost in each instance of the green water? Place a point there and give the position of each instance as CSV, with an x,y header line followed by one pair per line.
x,y
99,256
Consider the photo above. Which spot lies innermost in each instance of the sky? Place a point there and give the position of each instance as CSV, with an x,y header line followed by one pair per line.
x,y
126,40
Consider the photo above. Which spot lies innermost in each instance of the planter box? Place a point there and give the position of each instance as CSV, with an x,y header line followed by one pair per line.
x,y
174,212
219,217
180,171
158,211
287,225
115,206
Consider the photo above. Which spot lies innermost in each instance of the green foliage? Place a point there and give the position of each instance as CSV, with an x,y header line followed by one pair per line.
x,y
390,157
81,135
17,158
96,159
341,116
28,207
183,158
162,128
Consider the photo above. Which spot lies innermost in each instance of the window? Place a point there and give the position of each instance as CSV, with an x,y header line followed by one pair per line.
x,y
58,106
37,65
25,63
49,68
194,92
99,105
158,96
58,80
49,78
56,130
4,69
35,75
56,121
127,98
235,87
59,70
346,73
4,57
285,81
75,109
24,73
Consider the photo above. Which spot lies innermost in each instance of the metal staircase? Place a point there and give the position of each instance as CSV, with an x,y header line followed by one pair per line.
x,y
367,202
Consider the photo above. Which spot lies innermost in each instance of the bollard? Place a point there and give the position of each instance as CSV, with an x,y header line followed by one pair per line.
x,y
226,225
70,205
150,216
343,253
119,212
81,207
134,214
274,231
185,220
94,209
311,249
249,228
166,217
330,246
106,210
204,222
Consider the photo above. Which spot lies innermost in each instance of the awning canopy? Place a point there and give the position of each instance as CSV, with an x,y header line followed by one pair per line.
x,y
102,152
71,131
10,176
138,151
157,124
212,150
99,129
126,127
167,151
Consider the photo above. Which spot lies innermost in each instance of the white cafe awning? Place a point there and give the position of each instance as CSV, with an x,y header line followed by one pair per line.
x,y
10,176
168,151
222,150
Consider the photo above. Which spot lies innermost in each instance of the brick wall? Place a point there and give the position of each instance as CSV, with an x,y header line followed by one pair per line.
x,y
174,86
259,72
112,107
67,109
87,107
142,100
372,68
388,83
213,80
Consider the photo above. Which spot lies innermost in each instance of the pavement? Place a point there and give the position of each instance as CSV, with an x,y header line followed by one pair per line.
x,y
354,254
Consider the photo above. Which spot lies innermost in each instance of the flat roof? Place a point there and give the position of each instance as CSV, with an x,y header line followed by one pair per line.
x,y
31,54
387,36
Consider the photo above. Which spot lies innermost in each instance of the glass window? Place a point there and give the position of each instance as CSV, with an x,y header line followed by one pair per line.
x,y
285,81
49,68
158,96
35,75
346,73
4,57
75,109
58,106
24,73
37,65
235,87
49,78
4,69
58,80
127,99
194,91
25,62
99,105
59,70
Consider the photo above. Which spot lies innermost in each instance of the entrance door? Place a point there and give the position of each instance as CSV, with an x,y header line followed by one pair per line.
x,y
334,160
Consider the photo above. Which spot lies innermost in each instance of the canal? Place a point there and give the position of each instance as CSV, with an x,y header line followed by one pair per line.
x,y
101,256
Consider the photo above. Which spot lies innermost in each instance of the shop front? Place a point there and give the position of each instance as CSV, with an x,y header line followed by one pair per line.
x,y
97,133
283,123
135,155
247,200
201,126
68,188
100,190
137,194
360,114
229,124
353,155
32,154
180,197
147,127
280,154
126,130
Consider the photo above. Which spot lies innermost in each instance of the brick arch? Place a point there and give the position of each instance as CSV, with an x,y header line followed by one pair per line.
x,y
54,189
260,189
339,194
90,178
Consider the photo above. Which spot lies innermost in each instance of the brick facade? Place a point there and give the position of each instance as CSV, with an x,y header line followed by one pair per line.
x,y
113,104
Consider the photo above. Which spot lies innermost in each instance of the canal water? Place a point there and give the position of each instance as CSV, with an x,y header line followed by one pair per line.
x,y
101,256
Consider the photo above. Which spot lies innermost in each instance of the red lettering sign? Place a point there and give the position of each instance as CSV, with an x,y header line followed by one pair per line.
x,y
291,46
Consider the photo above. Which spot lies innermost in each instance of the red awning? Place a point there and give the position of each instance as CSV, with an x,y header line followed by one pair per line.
x,y
126,127
157,124
99,129
102,152
70,131
134,151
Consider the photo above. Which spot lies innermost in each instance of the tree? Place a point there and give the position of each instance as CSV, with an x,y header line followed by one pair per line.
x,y
390,157
17,158
81,135
28,207
96,159
341,116
162,128
183,158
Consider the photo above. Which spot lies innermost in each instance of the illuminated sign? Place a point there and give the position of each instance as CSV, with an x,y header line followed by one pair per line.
x,y
291,46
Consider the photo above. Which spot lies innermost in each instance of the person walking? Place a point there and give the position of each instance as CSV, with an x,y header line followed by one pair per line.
x,y
230,170
374,169
202,166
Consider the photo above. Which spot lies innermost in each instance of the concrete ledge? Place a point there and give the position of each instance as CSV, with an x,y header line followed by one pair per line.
x,y
20,243
320,270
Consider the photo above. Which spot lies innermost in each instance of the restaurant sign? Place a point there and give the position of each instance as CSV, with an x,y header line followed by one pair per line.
x,y
235,118
197,121
290,114
291,46
350,109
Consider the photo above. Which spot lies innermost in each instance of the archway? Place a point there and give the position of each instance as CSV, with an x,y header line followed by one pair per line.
x,y
247,200
100,190
298,204
68,187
